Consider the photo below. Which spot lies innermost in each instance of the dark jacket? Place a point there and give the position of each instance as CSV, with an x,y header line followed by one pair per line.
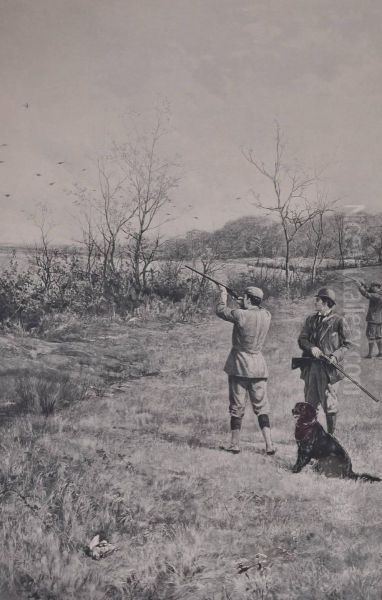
x,y
331,335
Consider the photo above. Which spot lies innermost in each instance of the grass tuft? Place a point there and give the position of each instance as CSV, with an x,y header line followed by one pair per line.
x,y
44,393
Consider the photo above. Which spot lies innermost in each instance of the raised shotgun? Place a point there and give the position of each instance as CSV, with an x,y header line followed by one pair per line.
x,y
303,361
357,281
229,290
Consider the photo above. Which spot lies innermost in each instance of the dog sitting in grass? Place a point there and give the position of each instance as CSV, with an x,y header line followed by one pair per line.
x,y
314,443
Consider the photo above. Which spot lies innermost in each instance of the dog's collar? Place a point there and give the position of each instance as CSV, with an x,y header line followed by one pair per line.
x,y
303,430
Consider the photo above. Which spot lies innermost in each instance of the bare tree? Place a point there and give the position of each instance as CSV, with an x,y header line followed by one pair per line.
x,y
149,179
290,186
373,238
340,231
115,211
317,231
121,223
44,253
209,264
89,242
105,217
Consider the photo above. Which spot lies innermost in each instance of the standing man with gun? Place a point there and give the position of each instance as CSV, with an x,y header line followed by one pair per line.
x,y
245,366
374,315
325,333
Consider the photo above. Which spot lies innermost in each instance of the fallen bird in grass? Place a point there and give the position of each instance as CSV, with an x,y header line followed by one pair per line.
x,y
99,548
314,442
260,562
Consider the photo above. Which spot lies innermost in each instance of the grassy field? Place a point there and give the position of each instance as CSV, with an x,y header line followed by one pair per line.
x,y
138,461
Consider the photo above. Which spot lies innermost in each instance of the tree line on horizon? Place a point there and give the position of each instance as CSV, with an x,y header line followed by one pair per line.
x,y
121,262
261,237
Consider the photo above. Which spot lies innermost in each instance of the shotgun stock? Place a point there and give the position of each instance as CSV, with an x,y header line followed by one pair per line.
x,y
298,362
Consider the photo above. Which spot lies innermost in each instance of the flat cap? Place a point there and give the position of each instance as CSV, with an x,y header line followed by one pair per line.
x,y
327,293
255,292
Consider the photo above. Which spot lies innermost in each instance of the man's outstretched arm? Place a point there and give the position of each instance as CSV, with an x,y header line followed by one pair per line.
x,y
222,310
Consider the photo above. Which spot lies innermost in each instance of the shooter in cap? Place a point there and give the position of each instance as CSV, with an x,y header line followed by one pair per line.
x,y
324,332
245,366
373,293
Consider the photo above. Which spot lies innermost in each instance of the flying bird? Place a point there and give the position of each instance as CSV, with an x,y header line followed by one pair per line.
x,y
7,195
26,105
2,161
52,183
84,169
61,162
196,217
38,174
3,145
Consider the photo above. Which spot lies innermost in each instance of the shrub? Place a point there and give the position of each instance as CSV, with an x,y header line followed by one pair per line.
x,y
29,296
269,280
272,282
33,298
44,392
20,294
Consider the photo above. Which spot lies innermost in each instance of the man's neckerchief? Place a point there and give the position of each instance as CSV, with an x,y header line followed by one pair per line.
x,y
317,322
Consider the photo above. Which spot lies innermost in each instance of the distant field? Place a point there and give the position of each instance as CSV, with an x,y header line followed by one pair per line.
x,y
23,257
224,268
138,461
264,267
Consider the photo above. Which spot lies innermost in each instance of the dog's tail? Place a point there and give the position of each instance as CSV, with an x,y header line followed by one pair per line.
x,y
365,477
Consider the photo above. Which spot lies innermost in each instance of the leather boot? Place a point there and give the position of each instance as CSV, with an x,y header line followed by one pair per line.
x,y
331,423
266,431
235,441
234,446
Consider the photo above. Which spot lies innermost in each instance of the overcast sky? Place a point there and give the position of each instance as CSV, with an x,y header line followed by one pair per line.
x,y
74,71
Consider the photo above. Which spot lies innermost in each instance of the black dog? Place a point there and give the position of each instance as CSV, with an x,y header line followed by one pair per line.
x,y
313,442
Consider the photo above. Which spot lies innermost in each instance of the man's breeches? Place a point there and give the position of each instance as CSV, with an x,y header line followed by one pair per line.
x,y
374,331
318,390
242,387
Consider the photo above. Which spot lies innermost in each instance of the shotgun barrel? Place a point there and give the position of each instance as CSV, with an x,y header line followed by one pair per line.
x,y
351,278
229,290
303,361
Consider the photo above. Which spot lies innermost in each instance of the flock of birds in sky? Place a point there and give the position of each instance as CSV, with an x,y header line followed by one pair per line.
x,y
61,162
2,161
3,147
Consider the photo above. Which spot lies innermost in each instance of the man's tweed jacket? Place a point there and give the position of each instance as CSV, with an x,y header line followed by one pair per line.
x,y
250,328
374,313
330,334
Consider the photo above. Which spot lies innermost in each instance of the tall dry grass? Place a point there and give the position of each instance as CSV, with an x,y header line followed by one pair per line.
x,y
45,392
141,465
